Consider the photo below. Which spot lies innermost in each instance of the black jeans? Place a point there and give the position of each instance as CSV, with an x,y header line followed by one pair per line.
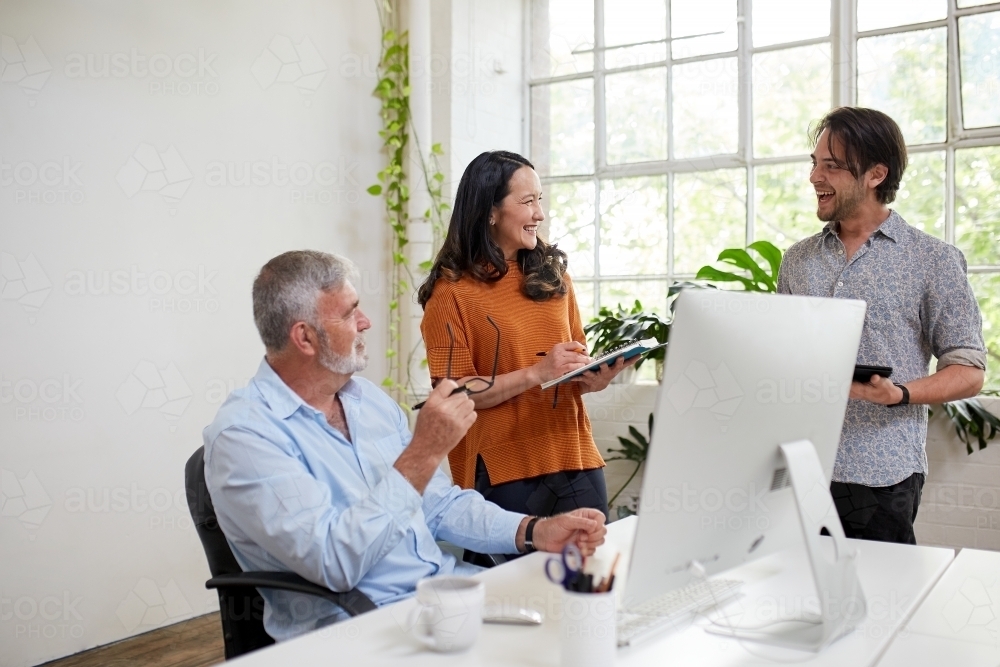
x,y
880,513
545,495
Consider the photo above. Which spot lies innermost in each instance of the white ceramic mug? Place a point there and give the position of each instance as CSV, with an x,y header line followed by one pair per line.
x,y
449,612
587,633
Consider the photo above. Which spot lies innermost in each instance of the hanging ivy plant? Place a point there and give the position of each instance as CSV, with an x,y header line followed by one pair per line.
x,y
393,89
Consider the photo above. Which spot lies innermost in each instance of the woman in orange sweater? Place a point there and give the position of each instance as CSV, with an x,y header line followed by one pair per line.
x,y
527,452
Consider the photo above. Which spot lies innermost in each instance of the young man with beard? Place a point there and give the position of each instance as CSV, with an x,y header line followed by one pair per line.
x,y
315,471
920,304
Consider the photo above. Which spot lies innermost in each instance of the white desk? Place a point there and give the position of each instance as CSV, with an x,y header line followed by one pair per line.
x,y
959,621
895,579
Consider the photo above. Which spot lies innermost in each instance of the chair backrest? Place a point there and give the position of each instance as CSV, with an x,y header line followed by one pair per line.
x,y
241,609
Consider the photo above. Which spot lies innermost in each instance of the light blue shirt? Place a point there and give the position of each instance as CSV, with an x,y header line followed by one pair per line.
x,y
293,494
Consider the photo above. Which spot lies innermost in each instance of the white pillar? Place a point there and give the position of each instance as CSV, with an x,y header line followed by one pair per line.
x,y
419,230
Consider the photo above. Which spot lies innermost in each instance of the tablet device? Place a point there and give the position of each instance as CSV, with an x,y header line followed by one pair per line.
x,y
864,373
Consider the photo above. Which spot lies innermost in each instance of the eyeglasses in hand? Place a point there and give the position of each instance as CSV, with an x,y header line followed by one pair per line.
x,y
474,385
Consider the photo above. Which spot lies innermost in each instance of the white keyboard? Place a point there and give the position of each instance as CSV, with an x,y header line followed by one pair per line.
x,y
667,610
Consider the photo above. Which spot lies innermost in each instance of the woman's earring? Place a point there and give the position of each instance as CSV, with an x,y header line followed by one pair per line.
x,y
492,221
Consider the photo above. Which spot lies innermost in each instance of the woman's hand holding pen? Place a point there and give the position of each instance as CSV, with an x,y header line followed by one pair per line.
x,y
561,359
598,380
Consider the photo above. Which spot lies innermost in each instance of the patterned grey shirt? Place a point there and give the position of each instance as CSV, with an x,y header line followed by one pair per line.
x,y
920,304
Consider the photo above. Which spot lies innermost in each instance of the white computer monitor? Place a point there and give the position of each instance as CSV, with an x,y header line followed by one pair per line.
x,y
744,373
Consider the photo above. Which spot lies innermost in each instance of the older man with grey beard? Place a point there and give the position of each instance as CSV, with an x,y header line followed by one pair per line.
x,y
314,471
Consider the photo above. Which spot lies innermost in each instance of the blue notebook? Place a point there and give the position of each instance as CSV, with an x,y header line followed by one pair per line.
x,y
610,357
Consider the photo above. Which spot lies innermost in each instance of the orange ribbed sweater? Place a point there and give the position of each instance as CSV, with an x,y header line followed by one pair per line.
x,y
524,436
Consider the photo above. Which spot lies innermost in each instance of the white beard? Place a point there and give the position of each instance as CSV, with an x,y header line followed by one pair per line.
x,y
340,364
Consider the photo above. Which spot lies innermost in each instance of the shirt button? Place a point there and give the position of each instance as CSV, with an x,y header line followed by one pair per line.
x,y
840,252
840,283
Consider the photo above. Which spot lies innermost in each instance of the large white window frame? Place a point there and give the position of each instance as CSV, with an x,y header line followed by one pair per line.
x,y
843,40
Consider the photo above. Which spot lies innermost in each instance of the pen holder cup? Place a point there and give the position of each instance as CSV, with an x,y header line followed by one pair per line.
x,y
587,634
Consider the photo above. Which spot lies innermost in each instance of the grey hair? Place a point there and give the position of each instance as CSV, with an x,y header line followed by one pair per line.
x,y
287,287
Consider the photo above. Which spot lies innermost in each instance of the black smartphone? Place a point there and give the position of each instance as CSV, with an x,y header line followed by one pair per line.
x,y
864,373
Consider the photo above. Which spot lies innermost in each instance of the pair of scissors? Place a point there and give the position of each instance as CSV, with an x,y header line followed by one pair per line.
x,y
566,569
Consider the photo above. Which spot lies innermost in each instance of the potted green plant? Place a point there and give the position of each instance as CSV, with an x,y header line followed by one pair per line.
x,y
633,449
614,327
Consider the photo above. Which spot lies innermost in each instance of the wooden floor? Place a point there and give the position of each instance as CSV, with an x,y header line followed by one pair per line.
x,y
194,643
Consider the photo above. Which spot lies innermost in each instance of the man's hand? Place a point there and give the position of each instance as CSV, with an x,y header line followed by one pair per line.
x,y
584,527
442,422
561,359
599,380
878,390
948,384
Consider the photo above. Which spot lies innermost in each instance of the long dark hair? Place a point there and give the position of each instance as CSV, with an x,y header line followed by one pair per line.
x,y
468,247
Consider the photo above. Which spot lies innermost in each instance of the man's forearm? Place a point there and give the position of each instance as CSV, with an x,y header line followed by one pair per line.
x,y
948,384
417,464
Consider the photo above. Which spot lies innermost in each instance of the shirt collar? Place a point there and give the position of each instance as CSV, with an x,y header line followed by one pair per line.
x,y
892,228
285,402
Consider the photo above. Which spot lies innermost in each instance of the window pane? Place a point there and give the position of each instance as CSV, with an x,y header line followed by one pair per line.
x,y
986,287
791,89
905,75
637,116
777,21
560,27
979,39
651,293
562,128
585,299
634,226
977,204
920,199
875,14
974,3
709,216
698,17
785,203
705,96
631,22
571,223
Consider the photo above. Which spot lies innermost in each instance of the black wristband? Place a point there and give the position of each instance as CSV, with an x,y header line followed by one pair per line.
x,y
906,396
529,531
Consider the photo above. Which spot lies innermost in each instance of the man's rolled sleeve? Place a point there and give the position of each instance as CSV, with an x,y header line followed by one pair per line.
x,y
952,321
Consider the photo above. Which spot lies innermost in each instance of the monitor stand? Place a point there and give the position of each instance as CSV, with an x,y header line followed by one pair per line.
x,y
842,602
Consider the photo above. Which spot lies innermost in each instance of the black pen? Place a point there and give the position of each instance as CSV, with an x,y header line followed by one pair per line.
x,y
540,354
453,392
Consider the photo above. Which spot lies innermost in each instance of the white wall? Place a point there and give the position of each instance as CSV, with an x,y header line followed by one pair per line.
x,y
960,506
104,389
478,80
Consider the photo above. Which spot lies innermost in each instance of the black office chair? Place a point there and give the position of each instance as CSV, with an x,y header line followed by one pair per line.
x,y
240,605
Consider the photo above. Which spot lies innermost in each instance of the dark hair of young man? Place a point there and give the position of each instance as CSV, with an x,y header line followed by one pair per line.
x,y
468,246
869,137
